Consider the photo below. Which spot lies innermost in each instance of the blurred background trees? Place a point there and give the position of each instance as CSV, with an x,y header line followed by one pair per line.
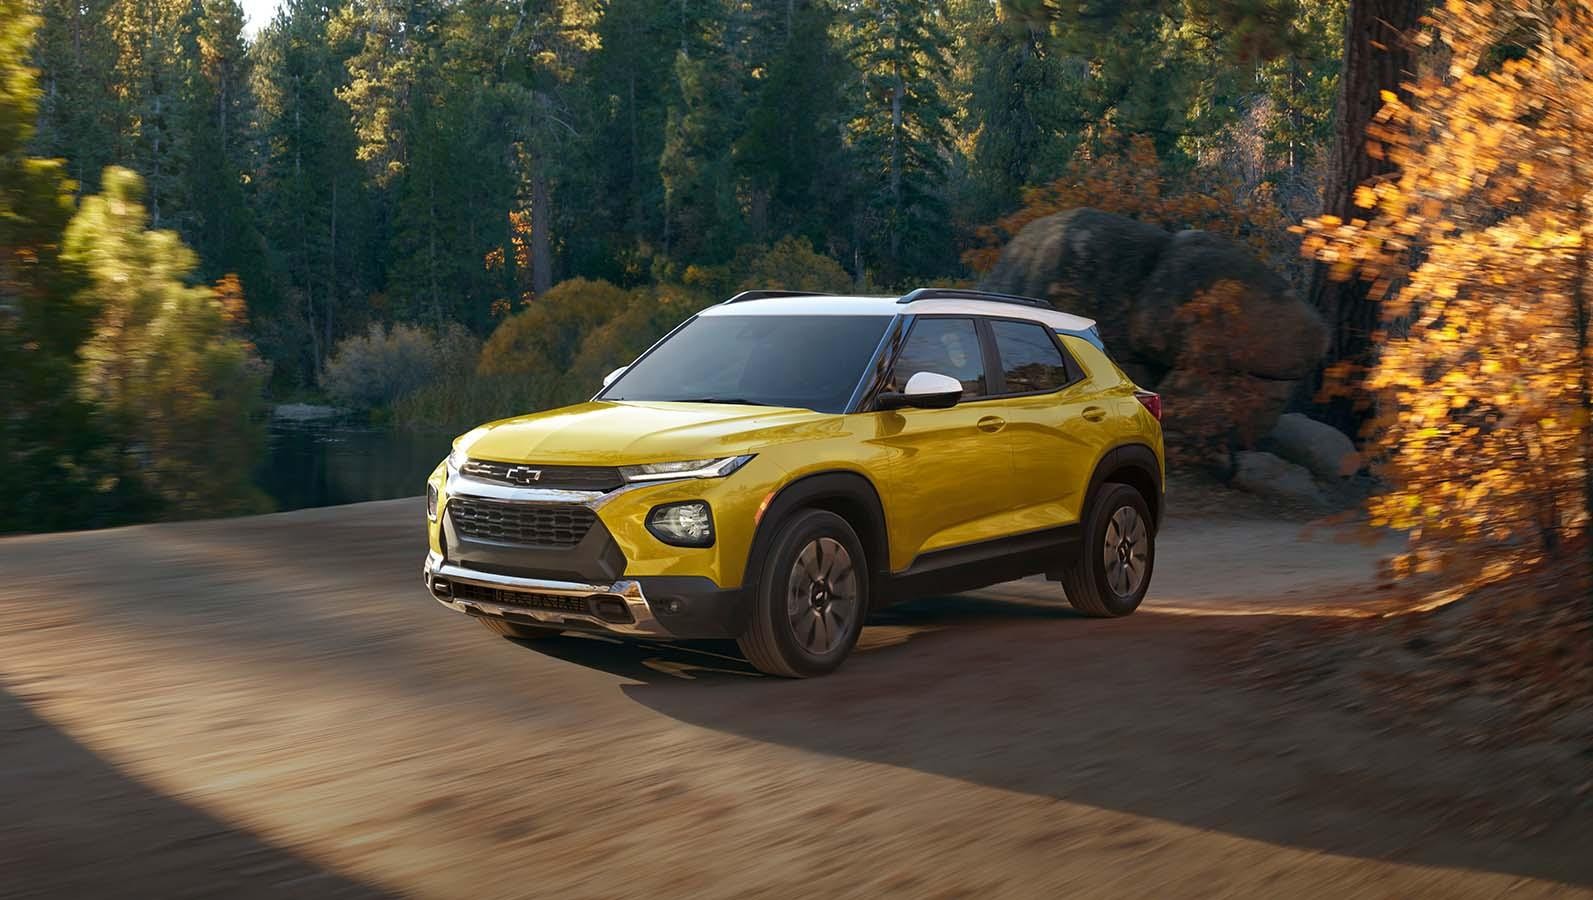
x,y
432,162
361,173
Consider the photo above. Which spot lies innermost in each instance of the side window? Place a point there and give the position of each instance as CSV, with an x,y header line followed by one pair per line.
x,y
1030,358
945,347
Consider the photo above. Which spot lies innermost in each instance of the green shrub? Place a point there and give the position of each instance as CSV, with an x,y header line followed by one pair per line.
x,y
379,367
462,400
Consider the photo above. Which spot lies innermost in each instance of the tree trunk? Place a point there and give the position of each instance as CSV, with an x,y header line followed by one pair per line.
x,y
1377,58
541,221
893,268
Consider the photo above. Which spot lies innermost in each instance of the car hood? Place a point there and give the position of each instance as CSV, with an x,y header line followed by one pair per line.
x,y
602,433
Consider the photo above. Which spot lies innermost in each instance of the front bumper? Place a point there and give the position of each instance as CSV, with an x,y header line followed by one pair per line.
x,y
620,607
680,607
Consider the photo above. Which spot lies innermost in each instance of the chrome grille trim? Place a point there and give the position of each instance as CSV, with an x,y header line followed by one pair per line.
x,y
600,479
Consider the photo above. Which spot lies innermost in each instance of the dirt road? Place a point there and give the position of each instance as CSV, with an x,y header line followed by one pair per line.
x,y
272,706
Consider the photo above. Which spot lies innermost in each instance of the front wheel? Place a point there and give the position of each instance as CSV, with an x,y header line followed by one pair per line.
x,y
1112,571
811,596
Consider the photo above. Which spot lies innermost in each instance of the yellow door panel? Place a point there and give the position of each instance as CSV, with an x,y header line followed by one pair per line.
x,y
950,470
949,475
1056,440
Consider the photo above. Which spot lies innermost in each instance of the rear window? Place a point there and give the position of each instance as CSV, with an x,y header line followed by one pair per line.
x,y
1031,362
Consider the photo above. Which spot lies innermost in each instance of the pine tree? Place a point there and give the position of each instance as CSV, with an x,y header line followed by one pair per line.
x,y
1014,119
792,152
902,133
157,58
79,119
219,105
312,201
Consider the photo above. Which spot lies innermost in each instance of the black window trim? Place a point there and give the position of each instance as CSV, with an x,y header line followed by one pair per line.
x,y
1074,370
988,349
911,322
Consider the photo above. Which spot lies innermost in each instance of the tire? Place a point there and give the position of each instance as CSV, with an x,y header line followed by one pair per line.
x,y
810,597
1094,588
516,630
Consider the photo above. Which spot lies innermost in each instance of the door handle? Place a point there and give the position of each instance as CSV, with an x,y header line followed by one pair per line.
x,y
992,424
1093,413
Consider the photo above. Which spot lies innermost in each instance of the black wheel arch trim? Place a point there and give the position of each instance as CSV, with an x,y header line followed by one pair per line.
x,y
809,491
1139,458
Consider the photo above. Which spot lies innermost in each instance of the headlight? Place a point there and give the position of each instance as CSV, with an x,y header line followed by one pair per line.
x,y
690,468
431,501
688,524
457,458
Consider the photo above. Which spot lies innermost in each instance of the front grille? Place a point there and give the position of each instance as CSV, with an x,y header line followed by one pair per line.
x,y
564,478
560,525
462,590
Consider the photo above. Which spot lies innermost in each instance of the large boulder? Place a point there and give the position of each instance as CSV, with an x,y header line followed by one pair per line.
x,y
1321,448
1089,263
1271,332
1267,475
1138,281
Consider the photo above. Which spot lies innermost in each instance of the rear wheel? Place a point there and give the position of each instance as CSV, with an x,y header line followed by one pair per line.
x,y
811,596
1113,569
516,630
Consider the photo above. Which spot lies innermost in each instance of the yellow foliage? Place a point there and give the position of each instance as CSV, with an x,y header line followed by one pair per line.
x,y
1477,248
546,335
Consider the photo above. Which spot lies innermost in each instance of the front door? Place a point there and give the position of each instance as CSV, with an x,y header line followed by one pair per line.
x,y
951,479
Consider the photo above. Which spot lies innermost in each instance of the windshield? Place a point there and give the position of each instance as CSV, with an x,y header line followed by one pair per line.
x,y
809,362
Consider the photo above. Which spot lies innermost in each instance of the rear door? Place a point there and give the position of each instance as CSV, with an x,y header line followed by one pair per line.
x,y
950,471
1056,422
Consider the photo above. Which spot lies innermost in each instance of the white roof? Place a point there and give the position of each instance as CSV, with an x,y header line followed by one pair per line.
x,y
887,306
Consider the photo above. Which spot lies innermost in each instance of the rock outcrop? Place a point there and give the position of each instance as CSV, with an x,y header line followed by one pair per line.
x,y
1319,447
1134,279
1268,475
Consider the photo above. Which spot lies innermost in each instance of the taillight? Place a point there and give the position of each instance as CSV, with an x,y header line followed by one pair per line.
x,y
1151,401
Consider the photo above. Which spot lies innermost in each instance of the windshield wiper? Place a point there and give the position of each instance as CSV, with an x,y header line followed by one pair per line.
x,y
733,401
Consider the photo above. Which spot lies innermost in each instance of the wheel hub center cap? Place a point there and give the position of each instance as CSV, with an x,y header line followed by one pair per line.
x,y
820,596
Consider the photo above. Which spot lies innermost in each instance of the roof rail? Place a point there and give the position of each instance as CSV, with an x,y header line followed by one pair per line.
x,y
761,295
966,294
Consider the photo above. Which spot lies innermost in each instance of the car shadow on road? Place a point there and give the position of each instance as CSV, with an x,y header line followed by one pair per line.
x,y
74,825
1131,715
660,662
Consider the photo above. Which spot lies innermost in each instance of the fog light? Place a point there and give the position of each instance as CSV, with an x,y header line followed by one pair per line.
x,y
431,502
688,524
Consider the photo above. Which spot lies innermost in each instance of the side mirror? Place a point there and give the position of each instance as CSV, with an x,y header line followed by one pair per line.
x,y
612,376
925,390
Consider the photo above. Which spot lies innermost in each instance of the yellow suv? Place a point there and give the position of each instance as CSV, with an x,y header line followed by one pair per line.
x,y
783,463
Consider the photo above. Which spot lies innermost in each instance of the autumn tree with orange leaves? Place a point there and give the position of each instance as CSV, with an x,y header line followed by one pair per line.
x,y
1479,250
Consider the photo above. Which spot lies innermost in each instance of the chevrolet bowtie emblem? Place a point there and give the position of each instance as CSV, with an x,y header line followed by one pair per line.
x,y
523,475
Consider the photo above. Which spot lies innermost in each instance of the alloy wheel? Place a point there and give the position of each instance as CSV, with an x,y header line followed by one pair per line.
x,y
822,595
1125,551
